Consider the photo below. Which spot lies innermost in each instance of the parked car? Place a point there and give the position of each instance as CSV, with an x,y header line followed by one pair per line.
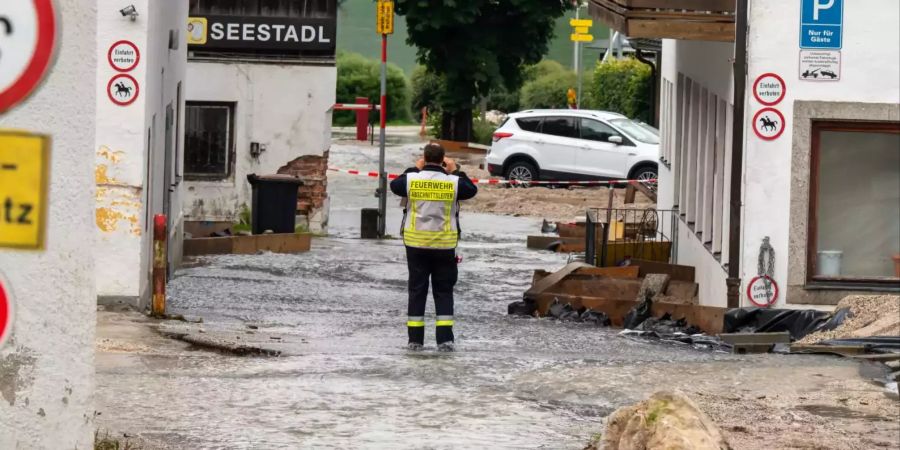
x,y
570,144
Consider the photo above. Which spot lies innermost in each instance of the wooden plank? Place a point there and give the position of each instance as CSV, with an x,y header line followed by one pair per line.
x,y
836,349
545,242
696,5
608,16
248,245
630,192
709,319
683,290
686,30
757,338
646,250
674,271
547,282
612,272
880,357
644,189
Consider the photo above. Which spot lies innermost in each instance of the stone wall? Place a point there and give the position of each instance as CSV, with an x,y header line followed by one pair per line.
x,y
312,198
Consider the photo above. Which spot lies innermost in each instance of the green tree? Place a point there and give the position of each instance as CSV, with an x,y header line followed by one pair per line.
x,y
622,86
546,85
476,46
426,89
358,76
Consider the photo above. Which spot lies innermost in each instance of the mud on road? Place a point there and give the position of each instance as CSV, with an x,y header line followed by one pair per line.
x,y
344,379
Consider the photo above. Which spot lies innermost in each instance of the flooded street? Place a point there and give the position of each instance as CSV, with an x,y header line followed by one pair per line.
x,y
346,381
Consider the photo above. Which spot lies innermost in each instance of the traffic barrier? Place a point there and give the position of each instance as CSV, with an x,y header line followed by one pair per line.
x,y
392,176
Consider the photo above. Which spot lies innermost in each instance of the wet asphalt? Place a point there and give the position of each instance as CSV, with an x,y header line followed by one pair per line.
x,y
348,381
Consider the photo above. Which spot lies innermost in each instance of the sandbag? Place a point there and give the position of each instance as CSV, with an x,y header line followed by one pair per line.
x,y
522,308
637,314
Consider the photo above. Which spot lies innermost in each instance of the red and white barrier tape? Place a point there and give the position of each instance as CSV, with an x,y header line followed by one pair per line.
x,y
392,176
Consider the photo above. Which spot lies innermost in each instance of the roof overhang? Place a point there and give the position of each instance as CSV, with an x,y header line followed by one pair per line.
x,y
697,20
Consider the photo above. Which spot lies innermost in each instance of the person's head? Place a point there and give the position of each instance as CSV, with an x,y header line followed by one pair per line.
x,y
434,154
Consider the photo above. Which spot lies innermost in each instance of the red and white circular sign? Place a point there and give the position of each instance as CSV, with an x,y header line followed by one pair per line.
x,y
28,37
769,89
124,56
123,89
768,124
6,312
762,291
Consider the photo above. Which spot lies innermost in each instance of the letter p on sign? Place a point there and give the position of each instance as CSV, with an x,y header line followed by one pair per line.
x,y
820,5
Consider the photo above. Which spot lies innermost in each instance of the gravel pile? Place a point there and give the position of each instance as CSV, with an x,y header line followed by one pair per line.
x,y
871,315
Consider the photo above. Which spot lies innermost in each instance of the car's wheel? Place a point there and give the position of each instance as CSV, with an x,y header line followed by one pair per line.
x,y
645,172
521,171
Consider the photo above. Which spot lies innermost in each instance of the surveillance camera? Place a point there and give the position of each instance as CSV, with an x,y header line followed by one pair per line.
x,y
129,11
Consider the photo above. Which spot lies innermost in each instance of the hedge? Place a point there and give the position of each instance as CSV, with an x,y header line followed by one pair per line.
x,y
358,76
621,86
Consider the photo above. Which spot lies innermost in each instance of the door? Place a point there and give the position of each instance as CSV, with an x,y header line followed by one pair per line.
x,y
558,142
169,184
597,156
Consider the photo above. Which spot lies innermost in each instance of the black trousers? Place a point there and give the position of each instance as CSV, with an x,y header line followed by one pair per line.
x,y
438,266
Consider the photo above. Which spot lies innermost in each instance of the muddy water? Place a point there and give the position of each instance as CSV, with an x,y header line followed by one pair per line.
x,y
349,383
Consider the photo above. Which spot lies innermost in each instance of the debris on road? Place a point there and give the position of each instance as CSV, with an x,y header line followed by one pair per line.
x,y
668,420
869,315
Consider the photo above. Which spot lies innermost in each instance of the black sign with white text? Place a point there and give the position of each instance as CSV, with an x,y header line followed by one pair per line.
x,y
266,34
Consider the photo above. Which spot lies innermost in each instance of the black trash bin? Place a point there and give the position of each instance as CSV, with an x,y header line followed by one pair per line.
x,y
274,204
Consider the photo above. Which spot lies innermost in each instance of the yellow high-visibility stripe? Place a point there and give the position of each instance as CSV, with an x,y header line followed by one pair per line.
x,y
414,324
447,219
444,323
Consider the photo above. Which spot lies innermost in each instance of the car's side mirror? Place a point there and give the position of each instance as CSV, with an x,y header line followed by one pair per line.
x,y
615,140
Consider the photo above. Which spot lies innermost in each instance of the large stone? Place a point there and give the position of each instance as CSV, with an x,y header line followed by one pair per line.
x,y
667,420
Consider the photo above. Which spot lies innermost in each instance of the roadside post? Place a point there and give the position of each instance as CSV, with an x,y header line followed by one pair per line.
x,y
160,260
581,33
384,27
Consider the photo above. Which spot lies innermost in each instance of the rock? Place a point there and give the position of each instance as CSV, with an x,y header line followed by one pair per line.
x,y
667,420
654,284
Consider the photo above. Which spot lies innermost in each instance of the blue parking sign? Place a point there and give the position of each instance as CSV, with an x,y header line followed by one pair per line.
x,y
821,24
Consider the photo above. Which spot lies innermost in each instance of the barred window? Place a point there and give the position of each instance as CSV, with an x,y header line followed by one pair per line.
x,y
208,140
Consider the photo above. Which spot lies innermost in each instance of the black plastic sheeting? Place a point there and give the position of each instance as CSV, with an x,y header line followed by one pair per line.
x,y
560,311
797,322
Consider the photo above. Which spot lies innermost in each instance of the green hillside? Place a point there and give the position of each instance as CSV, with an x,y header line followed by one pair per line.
x,y
356,33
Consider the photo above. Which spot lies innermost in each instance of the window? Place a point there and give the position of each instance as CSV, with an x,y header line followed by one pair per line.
x,y
209,130
530,124
854,202
637,130
594,130
560,126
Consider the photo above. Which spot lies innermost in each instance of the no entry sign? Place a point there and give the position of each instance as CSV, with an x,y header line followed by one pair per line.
x,y
28,37
769,89
762,291
124,56
6,312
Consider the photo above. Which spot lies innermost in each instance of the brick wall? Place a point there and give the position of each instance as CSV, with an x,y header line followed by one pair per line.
x,y
312,169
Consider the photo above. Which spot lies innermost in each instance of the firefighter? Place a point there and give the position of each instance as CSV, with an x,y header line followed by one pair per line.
x,y
433,190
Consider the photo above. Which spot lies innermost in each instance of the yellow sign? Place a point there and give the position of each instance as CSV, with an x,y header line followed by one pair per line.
x,y
581,22
385,19
582,30
581,38
24,175
198,30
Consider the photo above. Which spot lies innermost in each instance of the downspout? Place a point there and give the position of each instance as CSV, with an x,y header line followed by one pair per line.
x,y
654,104
737,154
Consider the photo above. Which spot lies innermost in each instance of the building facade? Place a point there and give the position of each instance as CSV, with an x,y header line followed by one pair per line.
x,y
261,82
47,364
780,125
140,84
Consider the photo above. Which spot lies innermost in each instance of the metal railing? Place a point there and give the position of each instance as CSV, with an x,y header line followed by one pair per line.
x,y
614,235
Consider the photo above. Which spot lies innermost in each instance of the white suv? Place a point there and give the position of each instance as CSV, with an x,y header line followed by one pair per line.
x,y
568,144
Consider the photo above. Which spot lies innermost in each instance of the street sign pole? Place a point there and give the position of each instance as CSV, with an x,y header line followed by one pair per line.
x,y
384,27
578,69
382,176
582,29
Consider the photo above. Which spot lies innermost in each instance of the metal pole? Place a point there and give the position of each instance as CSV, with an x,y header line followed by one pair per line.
x,y
733,282
575,59
160,261
382,176
578,68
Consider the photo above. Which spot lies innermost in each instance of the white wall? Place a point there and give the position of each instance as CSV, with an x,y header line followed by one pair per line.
x,y
284,107
124,222
47,369
709,64
870,73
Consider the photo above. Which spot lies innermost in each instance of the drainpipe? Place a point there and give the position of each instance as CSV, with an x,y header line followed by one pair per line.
x,y
654,114
737,154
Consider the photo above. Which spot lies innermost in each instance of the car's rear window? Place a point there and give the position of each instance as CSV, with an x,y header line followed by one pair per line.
x,y
529,123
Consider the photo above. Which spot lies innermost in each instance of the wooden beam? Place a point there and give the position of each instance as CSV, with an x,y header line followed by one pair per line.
x,y
694,5
686,30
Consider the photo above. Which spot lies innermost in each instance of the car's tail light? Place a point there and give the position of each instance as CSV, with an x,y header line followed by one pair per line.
x,y
500,135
